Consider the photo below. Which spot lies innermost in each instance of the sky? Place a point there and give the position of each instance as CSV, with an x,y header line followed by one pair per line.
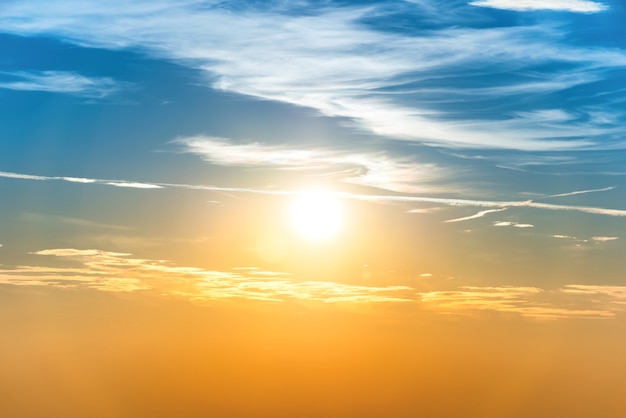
x,y
312,208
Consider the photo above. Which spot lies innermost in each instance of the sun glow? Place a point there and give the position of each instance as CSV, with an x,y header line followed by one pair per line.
x,y
316,215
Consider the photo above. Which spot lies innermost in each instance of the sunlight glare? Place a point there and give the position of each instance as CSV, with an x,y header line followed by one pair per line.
x,y
316,215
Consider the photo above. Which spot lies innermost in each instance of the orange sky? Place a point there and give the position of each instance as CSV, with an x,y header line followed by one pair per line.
x,y
96,354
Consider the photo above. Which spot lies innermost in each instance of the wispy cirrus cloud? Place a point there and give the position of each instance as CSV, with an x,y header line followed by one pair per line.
x,y
525,301
614,294
378,170
59,82
331,60
119,272
577,6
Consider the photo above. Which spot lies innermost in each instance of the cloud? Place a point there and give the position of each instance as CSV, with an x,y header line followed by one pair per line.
x,y
386,82
514,224
604,239
582,209
618,293
72,252
605,189
60,82
431,209
587,241
78,180
119,272
116,183
614,297
345,195
26,176
578,6
493,204
132,185
477,215
71,221
525,301
378,170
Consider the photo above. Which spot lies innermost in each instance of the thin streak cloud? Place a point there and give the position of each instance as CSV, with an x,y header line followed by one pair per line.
x,y
132,185
60,82
605,189
115,183
346,195
513,224
477,215
604,239
577,6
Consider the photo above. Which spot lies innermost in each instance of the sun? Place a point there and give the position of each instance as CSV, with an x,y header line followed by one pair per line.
x,y
316,215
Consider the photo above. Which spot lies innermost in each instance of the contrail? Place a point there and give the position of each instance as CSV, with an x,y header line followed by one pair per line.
x,y
344,195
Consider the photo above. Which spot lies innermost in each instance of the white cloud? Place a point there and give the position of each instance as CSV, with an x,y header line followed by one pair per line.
x,y
514,224
133,185
477,215
378,170
604,239
78,180
492,204
22,176
61,82
583,209
330,61
344,195
116,183
605,189
579,6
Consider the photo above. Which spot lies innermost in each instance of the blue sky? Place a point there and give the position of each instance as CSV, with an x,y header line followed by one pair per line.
x,y
480,140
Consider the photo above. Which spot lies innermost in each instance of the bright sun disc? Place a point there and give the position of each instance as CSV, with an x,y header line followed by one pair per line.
x,y
316,215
